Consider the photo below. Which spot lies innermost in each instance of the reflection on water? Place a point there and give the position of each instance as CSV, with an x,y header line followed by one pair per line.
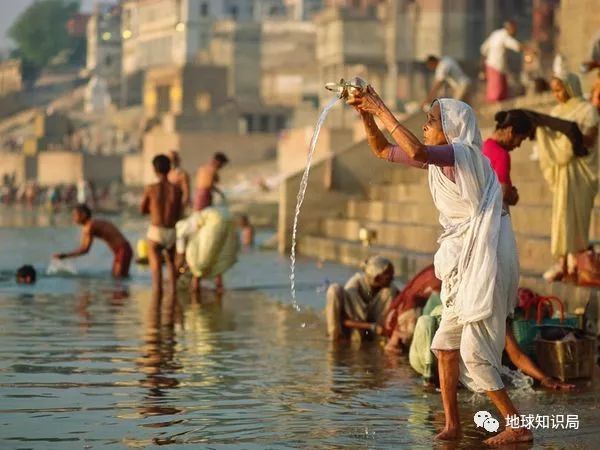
x,y
96,364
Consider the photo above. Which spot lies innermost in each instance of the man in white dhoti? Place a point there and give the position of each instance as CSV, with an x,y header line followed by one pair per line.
x,y
477,258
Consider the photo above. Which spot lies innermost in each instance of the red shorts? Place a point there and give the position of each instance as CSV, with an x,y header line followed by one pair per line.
x,y
123,257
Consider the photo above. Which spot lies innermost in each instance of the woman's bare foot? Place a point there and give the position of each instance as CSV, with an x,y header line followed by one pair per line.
x,y
510,436
449,434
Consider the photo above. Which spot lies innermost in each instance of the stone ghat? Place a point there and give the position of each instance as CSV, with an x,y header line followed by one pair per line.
x,y
396,206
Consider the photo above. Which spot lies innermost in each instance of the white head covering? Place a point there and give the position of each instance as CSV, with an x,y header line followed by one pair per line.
x,y
459,123
571,82
462,132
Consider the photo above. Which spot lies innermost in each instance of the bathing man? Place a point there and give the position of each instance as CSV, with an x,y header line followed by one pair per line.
x,y
162,201
105,231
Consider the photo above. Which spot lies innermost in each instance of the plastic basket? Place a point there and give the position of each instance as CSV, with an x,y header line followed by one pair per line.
x,y
526,330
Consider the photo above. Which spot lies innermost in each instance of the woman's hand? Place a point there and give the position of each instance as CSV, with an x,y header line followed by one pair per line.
x,y
553,383
368,101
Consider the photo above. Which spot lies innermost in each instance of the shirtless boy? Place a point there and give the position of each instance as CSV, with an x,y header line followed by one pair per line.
x,y
207,177
162,201
105,231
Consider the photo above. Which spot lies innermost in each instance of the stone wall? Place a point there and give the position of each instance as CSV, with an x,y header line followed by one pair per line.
x,y
288,67
351,172
579,23
197,148
293,146
133,170
64,167
237,46
13,163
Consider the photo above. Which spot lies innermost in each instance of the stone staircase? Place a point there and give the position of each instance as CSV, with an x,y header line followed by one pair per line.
x,y
394,202
405,222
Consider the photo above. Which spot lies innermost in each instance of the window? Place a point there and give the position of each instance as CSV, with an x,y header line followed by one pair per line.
x,y
249,123
264,123
163,99
280,123
233,11
204,9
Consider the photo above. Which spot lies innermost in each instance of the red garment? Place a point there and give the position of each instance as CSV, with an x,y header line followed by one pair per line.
x,y
499,160
496,86
415,294
122,261
203,199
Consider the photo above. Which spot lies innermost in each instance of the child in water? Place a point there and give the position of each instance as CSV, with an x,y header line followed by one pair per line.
x,y
26,275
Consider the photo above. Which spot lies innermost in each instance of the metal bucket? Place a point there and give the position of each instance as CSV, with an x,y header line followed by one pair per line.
x,y
566,360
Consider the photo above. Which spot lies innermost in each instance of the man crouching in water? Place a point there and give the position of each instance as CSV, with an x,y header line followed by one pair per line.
x,y
363,302
103,230
162,201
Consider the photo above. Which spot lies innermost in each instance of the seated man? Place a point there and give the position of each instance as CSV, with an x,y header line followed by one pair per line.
x,y
362,303
103,230
26,274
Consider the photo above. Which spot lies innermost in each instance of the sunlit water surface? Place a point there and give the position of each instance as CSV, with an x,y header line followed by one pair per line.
x,y
84,365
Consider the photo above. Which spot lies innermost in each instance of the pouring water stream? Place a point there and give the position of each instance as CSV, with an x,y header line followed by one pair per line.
x,y
300,197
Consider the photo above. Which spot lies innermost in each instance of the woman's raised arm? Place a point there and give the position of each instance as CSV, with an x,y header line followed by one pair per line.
x,y
370,102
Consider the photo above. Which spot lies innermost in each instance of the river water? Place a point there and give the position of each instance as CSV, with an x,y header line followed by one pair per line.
x,y
84,364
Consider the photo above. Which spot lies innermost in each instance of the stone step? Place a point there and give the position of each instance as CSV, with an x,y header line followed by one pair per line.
x,y
406,262
536,220
413,237
525,171
534,253
379,211
400,193
530,193
397,174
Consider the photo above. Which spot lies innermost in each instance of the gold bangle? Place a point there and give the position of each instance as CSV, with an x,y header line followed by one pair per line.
x,y
395,128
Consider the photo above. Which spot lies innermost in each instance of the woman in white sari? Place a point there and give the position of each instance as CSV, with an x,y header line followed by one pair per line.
x,y
477,258
572,179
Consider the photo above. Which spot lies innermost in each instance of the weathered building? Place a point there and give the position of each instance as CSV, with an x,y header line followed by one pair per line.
x,y
289,74
104,42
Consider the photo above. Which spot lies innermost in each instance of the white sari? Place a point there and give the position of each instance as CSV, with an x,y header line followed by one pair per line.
x,y
470,214
477,258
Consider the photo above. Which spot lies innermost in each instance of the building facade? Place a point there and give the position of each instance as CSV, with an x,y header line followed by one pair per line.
x,y
104,42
